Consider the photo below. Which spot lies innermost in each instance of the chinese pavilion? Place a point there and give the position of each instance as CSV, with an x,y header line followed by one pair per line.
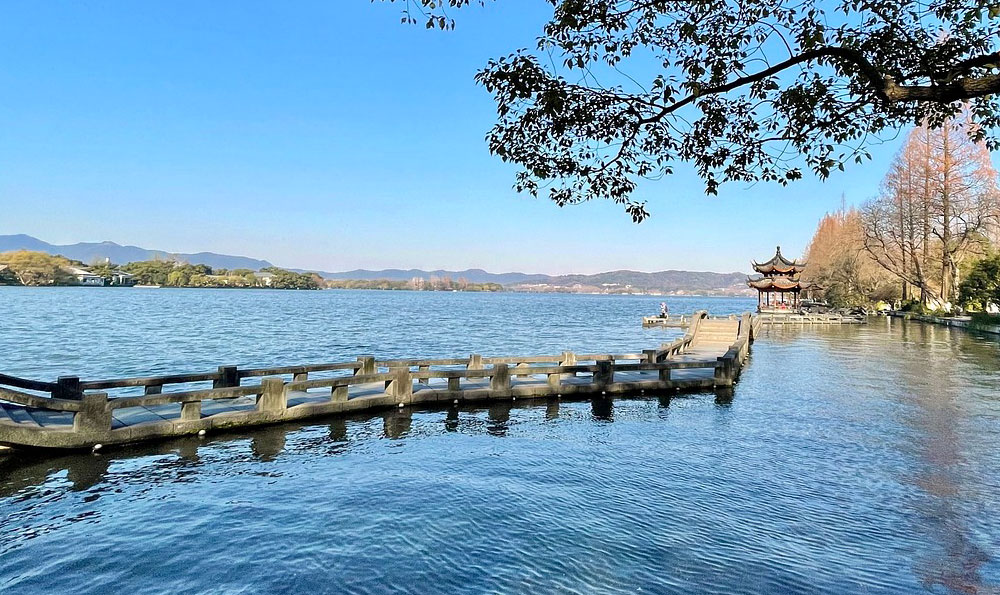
x,y
778,287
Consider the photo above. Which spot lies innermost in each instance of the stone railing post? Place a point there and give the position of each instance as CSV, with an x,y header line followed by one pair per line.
x,y
339,394
94,418
605,373
521,367
273,399
191,411
475,362
401,385
367,365
555,381
568,359
664,374
228,377
68,387
723,370
649,355
500,381
300,376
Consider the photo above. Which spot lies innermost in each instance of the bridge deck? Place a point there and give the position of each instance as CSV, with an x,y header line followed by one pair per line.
x,y
709,355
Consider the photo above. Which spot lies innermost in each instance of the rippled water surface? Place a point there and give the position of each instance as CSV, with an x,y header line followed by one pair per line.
x,y
855,459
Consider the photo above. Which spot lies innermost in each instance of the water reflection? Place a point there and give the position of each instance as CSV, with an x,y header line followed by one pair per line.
x,y
499,417
552,410
602,409
267,445
23,470
396,424
940,474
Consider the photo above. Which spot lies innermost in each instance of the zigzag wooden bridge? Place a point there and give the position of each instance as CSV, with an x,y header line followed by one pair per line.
x,y
71,414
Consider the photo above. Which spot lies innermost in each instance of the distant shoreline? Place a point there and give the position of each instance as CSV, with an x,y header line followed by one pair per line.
x,y
351,289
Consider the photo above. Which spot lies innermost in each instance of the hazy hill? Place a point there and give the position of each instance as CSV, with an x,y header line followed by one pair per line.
x,y
89,252
612,281
470,275
609,281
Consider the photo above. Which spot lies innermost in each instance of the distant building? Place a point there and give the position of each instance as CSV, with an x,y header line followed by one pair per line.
x,y
778,286
122,279
85,277
265,278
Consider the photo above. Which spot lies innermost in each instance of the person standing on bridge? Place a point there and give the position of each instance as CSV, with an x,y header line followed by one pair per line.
x,y
663,310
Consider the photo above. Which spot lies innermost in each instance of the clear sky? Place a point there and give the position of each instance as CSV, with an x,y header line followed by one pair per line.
x,y
327,135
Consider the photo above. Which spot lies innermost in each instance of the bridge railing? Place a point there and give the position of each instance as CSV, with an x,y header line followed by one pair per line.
x,y
475,377
730,363
679,345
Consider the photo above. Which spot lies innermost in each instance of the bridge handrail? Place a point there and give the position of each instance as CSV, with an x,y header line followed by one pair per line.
x,y
29,400
188,396
26,384
679,345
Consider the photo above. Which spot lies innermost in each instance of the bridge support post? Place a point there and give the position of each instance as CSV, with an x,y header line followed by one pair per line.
x,y
228,377
94,418
273,399
500,381
367,365
664,374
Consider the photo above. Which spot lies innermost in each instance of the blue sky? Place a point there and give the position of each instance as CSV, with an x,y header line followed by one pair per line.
x,y
327,135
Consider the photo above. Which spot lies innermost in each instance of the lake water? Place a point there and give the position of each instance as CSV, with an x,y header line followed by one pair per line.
x,y
854,459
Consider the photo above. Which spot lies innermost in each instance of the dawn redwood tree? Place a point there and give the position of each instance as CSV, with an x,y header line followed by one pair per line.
x,y
847,274
939,202
750,90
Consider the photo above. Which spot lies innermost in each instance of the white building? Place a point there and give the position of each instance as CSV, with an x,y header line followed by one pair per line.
x,y
85,277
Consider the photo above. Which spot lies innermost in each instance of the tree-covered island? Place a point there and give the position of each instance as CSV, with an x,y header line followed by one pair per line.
x,y
24,267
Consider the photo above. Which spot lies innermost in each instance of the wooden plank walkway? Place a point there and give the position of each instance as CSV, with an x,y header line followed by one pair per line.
x,y
81,414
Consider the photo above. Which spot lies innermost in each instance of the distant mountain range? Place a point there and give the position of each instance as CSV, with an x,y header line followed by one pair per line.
x,y
91,252
609,282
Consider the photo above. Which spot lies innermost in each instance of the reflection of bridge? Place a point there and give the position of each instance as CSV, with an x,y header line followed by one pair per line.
x,y
74,415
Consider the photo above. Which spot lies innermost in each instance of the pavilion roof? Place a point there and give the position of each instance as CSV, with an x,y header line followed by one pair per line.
x,y
779,264
778,284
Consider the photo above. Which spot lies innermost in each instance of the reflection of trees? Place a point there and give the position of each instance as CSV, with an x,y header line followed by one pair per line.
x,y
940,470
